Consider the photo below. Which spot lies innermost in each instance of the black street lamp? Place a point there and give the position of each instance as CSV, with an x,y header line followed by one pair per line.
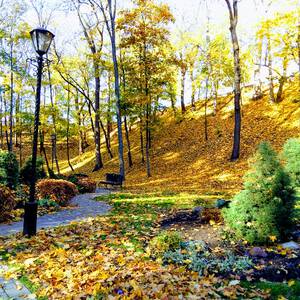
x,y
41,39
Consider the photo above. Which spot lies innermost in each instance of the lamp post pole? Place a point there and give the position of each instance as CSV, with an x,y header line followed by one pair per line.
x,y
41,39
30,216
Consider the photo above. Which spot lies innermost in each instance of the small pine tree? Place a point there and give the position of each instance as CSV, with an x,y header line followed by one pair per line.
x,y
291,155
265,206
9,169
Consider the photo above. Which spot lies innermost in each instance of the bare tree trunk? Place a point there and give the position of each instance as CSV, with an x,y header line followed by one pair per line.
x,y
233,16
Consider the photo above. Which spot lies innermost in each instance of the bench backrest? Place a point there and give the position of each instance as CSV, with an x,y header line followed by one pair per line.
x,y
114,177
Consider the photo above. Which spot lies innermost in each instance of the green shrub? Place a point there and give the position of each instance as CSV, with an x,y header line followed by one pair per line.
x,y
9,169
264,208
165,241
60,191
26,170
7,203
291,155
47,203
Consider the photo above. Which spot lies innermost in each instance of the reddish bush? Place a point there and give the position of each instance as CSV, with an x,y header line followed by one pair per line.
x,y
58,190
86,185
7,202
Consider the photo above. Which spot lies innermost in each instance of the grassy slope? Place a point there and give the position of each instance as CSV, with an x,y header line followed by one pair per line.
x,y
182,160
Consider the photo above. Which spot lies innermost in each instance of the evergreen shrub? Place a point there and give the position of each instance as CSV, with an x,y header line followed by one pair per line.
x,y
9,169
264,208
291,155
26,170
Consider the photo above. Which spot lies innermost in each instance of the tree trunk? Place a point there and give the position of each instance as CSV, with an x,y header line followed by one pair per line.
x,y
215,103
91,117
233,16
128,143
68,130
257,89
1,120
193,87
298,46
5,123
183,73
54,140
117,92
10,148
270,69
282,80
106,140
142,141
99,163
205,110
43,151
80,142
148,141
108,116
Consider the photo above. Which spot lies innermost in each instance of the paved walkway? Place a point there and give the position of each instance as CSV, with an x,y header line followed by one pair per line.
x,y
85,207
12,289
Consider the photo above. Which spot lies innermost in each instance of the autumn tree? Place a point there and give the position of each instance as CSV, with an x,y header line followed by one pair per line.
x,y
144,34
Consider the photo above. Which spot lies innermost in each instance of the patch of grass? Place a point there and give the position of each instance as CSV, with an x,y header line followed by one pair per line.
x,y
26,282
165,199
277,289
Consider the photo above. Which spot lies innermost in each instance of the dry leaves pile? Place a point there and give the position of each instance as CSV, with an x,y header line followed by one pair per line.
x,y
105,257
181,158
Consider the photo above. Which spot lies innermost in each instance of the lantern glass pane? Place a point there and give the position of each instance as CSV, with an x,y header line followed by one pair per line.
x,y
44,41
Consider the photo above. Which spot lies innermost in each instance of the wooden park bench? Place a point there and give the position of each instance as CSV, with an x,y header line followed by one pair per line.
x,y
112,179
